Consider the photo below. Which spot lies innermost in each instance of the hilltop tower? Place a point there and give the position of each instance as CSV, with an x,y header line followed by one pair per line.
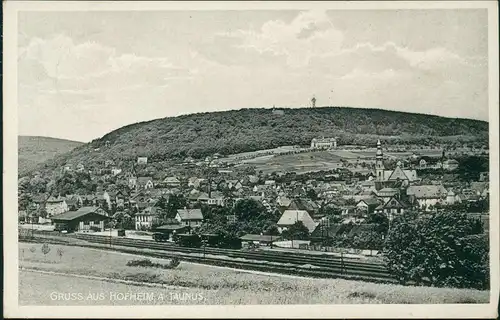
x,y
379,163
313,102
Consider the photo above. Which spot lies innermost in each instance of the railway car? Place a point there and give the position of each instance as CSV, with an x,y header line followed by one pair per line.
x,y
160,237
188,240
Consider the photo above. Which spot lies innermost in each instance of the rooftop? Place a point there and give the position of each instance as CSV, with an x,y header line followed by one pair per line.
x,y
72,215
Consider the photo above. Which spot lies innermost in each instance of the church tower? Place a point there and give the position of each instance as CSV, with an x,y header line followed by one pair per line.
x,y
379,163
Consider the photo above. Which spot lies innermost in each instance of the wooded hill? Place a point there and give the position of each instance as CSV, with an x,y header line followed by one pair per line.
x,y
34,150
229,132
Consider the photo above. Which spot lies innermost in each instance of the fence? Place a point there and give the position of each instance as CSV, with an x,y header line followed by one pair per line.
x,y
338,250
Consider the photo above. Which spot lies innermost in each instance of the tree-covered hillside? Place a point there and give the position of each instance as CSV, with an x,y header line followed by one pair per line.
x,y
35,150
229,132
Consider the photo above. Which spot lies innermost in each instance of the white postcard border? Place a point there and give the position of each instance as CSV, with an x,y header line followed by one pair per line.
x,y
10,123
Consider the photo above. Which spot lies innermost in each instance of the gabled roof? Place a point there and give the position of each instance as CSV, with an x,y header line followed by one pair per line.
x,y
40,198
289,217
148,211
284,201
72,215
370,201
258,237
216,195
144,180
393,203
52,199
427,191
479,186
190,214
203,196
359,228
330,230
386,192
171,180
398,174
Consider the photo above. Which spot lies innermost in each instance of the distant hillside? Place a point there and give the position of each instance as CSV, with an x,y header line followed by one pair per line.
x,y
229,132
35,150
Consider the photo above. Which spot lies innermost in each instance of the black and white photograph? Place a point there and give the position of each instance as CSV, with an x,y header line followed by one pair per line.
x,y
303,158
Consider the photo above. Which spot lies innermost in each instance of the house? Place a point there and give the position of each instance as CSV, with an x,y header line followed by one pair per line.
x,y
484,176
145,183
171,182
189,217
469,195
270,183
195,182
278,112
202,197
103,200
323,143
89,200
216,199
386,193
116,171
304,204
38,200
132,182
327,230
392,207
80,167
55,206
142,160
425,196
84,219
74,202
450,164
452,198
234,184
289,217
144,219
481,188
368,205
283,202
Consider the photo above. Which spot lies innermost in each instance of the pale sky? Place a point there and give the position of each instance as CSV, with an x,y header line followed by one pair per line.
x,y
84,74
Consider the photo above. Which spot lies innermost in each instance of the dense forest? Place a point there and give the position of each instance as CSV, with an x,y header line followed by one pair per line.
x,y
229,132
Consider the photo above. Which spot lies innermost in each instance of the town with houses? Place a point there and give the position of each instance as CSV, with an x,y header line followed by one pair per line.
x,y
338,202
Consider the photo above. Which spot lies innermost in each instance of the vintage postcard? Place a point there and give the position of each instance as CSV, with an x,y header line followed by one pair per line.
x,y
251,159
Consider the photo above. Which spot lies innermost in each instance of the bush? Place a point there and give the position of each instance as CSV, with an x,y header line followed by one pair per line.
x,y
438,249
146,263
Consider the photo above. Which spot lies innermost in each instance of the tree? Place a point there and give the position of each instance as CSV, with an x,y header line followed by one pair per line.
x,y
311,194
438,249
297,231
175,202
334,214
45,249
60,253
381,220
248,209
350,202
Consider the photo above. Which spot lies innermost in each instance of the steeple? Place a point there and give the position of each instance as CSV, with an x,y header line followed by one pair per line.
x,y
379,163
380,155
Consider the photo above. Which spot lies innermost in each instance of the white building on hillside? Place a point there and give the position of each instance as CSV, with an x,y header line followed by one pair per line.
x,y
323,143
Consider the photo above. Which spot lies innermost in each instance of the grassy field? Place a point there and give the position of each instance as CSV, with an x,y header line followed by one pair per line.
x,y
300,162
217,285
324,160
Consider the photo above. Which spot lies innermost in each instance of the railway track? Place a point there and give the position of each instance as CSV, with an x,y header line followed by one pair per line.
x,y
279,262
